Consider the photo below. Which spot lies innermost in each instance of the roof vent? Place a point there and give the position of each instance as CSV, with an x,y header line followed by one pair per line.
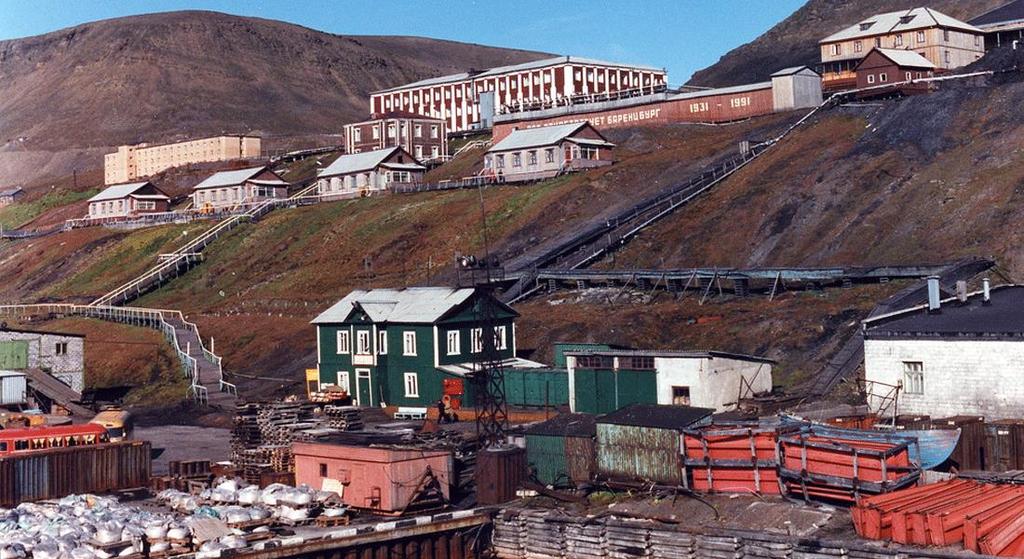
x,y
933,294
986,292
961,292
866,25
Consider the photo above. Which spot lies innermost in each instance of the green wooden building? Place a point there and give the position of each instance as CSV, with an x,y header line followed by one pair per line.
x,y
410,347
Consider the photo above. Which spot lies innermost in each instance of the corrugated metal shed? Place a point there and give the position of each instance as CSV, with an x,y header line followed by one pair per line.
x,y
561,451
642,442
12,388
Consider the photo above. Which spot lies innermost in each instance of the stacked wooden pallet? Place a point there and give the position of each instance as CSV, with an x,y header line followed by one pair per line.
x,y
543,539
509,535
711,547
626,538
583,539
343,418
263,433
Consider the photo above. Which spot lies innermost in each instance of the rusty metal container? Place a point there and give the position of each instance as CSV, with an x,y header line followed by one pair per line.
x,y
56,473
641,443
379,479
499,473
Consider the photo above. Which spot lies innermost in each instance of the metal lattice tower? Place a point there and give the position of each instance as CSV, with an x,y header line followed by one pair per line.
x,y
488,377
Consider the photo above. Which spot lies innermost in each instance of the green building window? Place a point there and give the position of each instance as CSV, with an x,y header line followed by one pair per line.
x,y
363,342
594,362
343,342
409,343
477,340
637,363
412,385
382,345
500,338
453,342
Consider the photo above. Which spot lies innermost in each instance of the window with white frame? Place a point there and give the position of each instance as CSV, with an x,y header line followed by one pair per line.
x,y
858,46
433,131
391,131
343,381
409,343
343,342
363,342
500,338
435,152
412,385
382,343
837,49
499,161
376,132
920,36
531,157
549,155
897,41
419,152
453,342
913,377
417,130
882,78
517,160
871,78
477,340
357,134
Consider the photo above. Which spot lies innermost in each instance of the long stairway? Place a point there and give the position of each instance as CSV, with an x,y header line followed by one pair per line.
x,y
207,384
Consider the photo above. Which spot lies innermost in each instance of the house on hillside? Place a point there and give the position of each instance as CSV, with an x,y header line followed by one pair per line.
x,y
228,189
945,41
411,347
604,380
883,67
128,200
547,151
426,138
1003,26
372,171
10,196
60,354
961,355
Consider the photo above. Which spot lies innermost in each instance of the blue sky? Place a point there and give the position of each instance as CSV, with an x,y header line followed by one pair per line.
x,y
680,35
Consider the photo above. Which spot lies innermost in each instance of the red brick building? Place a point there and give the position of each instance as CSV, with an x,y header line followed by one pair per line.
x,y
424,138
887,71
468,100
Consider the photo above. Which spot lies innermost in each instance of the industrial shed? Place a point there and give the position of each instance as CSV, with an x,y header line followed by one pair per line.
x,y
605,380
959,356
641,443
560,451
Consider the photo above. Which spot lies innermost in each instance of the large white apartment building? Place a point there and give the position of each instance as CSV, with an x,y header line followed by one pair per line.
x,y
142,160
468,100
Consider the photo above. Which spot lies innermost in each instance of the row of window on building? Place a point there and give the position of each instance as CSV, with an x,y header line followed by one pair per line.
x,y
117,206
454,346
898,41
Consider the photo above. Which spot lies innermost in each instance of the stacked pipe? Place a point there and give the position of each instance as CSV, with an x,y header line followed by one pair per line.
x,y
984,518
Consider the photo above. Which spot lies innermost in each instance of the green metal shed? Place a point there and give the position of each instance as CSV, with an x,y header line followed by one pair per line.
x,y
604,390
539,387
641,443
560,451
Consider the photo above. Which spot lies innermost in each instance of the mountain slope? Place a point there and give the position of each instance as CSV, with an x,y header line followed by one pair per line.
x,y
166,76
795,39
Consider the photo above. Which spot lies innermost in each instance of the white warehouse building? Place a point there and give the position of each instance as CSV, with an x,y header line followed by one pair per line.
x,y
962,355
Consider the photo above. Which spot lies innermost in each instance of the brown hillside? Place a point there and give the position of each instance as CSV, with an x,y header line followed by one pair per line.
x,y
924,179
168,76
795,39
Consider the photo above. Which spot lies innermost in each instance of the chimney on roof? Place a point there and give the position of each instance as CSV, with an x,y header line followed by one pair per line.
x,y
961,292
986,292
933,294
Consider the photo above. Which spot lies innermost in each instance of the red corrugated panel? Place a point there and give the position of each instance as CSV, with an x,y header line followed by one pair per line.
x,y
733,459
979,526
873,516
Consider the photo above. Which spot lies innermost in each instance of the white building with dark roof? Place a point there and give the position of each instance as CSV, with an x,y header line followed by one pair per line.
x,y
9,196
469,100
546,151
128,200
962,355
945,41
228,189
364,173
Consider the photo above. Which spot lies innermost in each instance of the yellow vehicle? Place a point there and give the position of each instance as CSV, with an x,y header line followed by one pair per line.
x,y
118,423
